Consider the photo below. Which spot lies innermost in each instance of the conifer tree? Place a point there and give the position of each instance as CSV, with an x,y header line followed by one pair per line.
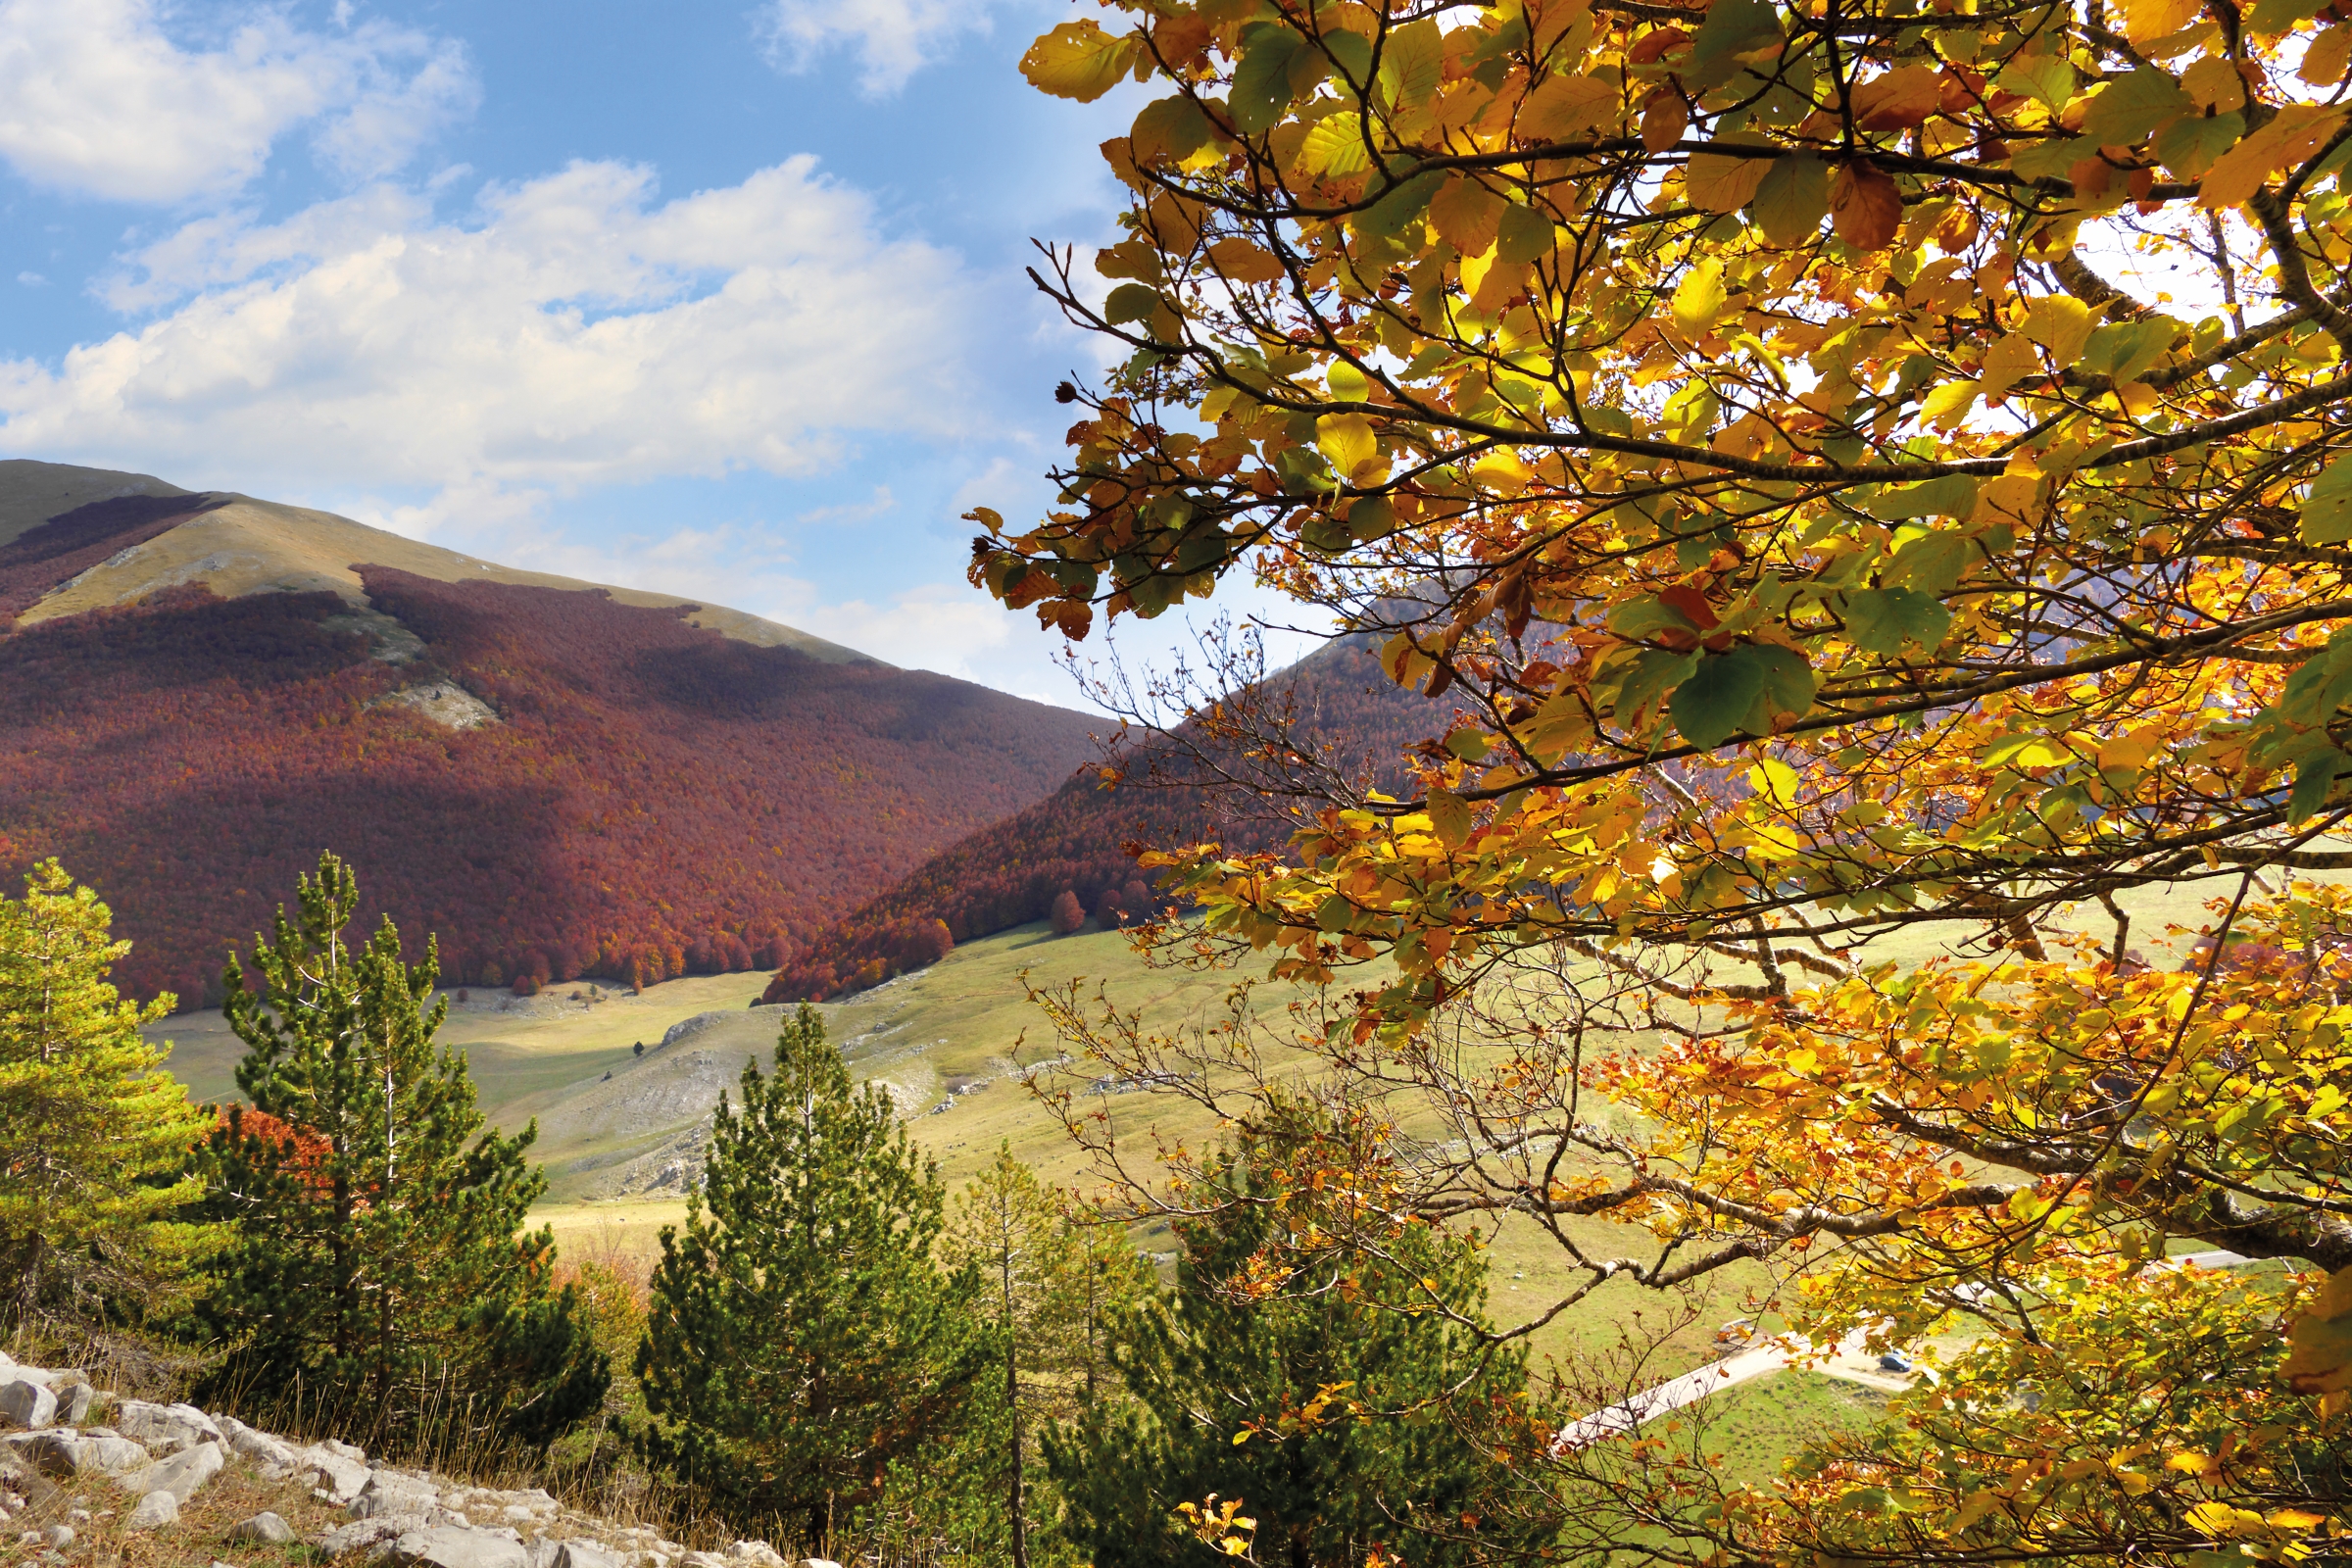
x,y
801,1337
94,1134
380,1250
1335,1421
1050,1287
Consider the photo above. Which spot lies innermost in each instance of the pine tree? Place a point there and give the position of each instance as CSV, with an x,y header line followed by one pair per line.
x,y
94,1134
801,1337
1288,1404
1052,1288
380,1253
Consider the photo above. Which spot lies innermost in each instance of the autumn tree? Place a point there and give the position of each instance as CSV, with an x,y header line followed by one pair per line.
x,y
94,1134
379,1256
1853,471
1067,914
1341,1422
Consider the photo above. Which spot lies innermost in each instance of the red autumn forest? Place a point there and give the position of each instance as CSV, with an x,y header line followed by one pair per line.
x,y
1076,840
657,800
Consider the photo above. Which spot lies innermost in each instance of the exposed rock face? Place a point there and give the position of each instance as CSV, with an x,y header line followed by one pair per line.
x,y
164,1454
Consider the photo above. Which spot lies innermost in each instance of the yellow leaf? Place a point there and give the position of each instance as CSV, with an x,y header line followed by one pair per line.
x,y
1721,183
2297,1519
1500,469
1240,261
2060,323
1078,60
1564,107
2007,497
1698,299
2154,19
1346,439
1336,146
2215,84
2296,132
2008,362
2323,63
1466,215
1948,404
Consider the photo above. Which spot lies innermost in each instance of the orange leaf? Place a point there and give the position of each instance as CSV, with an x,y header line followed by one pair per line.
x,y
1866,205
1899,99
1664,118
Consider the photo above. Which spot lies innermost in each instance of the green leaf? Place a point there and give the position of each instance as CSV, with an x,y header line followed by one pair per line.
x,y
1711,706
2189,145
1793,199
1789,685
1525,236
1933,562
1412,63
1648,678
1639,618
1130,302
1733,28
1262,82
2124,350
1882,620
1351,52
1952,496
2046,78
2315,778
2327,510
1387,218
1174,125
2125,111
2053,159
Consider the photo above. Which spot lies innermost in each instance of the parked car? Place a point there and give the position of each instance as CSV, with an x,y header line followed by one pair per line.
x,y
1895,1361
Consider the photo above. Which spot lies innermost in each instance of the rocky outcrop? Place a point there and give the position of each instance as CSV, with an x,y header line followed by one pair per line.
x,y
157,1457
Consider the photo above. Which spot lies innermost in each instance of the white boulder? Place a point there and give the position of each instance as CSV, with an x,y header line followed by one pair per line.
x,y
449,1546
265,1528
156,1510
167,1428
180,1473
28,1404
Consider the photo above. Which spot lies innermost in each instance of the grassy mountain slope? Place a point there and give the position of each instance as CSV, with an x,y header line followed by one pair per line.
x,y
556,779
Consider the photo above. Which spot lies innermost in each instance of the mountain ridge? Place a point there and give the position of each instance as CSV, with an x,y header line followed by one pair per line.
x,y
554,778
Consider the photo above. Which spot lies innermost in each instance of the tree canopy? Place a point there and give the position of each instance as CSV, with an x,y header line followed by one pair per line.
x,y
1871,479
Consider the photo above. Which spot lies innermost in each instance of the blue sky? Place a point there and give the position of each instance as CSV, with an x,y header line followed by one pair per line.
x,y
725,300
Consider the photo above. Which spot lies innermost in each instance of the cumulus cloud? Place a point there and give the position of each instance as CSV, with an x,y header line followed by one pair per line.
x,y
574,331
893,40
96,99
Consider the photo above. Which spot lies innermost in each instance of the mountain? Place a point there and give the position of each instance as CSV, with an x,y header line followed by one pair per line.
x,y
201,691
1337,703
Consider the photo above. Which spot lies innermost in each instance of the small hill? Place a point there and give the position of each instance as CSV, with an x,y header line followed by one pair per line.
x,y
1009,874
199,692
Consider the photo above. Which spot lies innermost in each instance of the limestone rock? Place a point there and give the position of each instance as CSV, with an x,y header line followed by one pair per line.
x,y
266,1528
350,1538
338,1477
63,1455
389,1492
73,1401
584,1555
758,1554
180,1473
167,1428
259,1447
25,1402
156,1510
447,1547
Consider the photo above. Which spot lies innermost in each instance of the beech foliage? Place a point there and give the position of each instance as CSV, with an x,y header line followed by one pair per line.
x,y
1873,480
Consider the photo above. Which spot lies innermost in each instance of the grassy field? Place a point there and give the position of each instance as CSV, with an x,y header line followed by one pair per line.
x,y
951,1043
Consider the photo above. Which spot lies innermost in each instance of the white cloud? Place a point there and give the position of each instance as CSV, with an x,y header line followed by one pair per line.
x,y
892,38
96,100
574,333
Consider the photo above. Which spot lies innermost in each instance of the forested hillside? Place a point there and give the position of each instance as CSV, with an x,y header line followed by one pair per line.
x,y
1077,839
552,781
